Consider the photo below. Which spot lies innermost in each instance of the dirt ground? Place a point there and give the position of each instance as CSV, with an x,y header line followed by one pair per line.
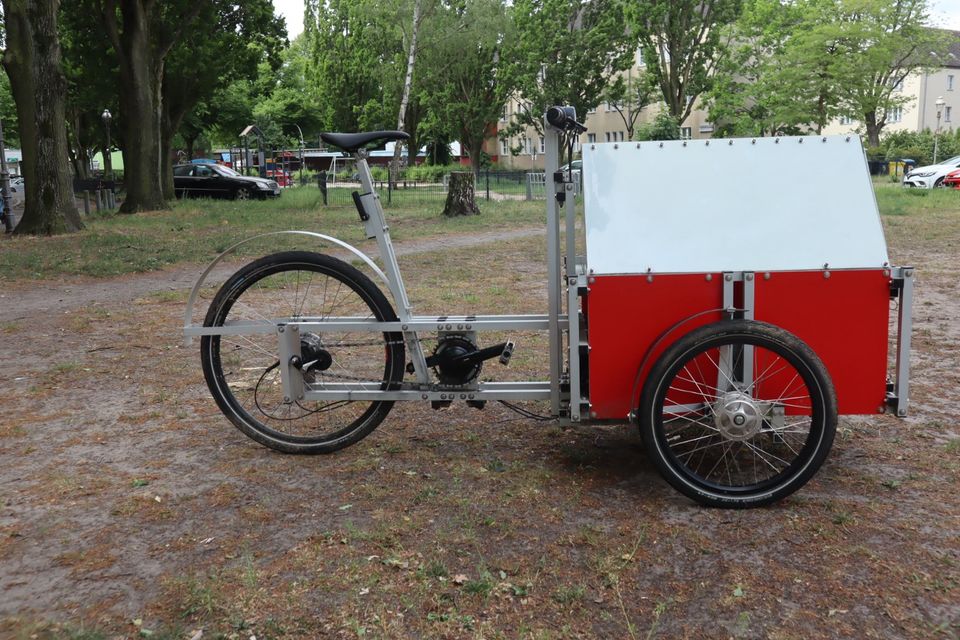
x,y
129,507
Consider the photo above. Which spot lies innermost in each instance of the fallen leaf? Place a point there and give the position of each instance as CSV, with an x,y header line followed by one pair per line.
x,y
344,507
459,578
364,591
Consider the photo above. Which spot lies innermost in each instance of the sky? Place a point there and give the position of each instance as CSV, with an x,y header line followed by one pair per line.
x,y
292,11
943,13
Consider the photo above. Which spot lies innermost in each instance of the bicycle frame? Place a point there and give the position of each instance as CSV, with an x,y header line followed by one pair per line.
x,y
567,281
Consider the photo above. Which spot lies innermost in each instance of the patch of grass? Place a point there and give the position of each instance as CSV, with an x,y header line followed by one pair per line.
x,y
198,230
569,594
482,586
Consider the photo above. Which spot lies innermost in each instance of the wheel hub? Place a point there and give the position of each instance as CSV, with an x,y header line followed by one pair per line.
x,y
315,357
737,416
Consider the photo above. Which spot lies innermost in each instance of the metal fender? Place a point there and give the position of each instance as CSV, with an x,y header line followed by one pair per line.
x,y
188,314
639,379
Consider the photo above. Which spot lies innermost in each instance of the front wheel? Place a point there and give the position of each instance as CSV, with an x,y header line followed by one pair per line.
x,y
243,371
241,194
738,414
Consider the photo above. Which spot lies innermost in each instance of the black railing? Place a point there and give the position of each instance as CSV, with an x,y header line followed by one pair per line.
x,y
490,185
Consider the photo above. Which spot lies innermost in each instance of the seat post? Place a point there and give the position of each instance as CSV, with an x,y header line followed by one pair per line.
x,y
377,227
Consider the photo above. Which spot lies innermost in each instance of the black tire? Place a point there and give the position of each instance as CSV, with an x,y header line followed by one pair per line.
x,y
242,193
242,371
777,430
938,183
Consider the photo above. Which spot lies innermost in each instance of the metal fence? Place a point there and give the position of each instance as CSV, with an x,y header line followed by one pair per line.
x,y
490,185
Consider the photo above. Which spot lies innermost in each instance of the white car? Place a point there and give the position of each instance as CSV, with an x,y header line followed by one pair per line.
x,y
931,175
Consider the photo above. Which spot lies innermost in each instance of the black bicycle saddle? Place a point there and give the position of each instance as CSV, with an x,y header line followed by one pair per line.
x,y
353,141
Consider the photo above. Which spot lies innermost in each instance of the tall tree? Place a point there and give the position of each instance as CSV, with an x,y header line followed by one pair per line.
x,y
464,85
778,76
91,72
142,33
880,43
195,67
628,93
32,61
682,43
564,52
358,61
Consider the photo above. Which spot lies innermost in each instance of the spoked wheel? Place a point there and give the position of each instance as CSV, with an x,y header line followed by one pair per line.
x,y
241,194
738,414
243,371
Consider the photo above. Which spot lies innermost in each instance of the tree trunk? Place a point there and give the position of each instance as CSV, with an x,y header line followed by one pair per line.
x,y
407,85
139,100
461,199
142,46
873,129
32,61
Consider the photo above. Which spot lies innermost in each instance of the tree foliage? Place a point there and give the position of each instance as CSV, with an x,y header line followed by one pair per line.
x,y
797,66
564,52
462,79
682,42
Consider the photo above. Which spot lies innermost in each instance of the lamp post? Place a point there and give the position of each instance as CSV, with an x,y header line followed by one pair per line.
x,y
936,136
302,146
5,186
107,155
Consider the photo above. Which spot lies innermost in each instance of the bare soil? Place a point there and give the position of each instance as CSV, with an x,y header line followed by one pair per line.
x,y
129,506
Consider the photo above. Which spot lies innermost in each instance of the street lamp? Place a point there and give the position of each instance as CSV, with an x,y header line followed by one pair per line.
x,y
936,136
107,155
107,159
302,146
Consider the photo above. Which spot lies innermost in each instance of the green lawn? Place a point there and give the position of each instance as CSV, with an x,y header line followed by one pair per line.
x,y
197,230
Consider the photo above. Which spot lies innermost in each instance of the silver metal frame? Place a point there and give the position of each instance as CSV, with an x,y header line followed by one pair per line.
x,y
563,368
567,281
898,391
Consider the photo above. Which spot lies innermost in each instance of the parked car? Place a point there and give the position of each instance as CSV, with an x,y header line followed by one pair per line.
x,y
952,179
217,181
931,175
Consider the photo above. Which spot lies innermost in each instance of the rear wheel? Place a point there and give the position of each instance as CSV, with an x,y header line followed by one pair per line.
x,y
738,414
243,371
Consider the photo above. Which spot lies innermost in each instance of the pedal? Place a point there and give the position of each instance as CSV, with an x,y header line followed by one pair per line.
x,y
507,352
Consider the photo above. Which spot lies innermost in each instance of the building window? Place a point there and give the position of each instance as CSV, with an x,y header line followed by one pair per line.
x,y
949,83
542,148
504,147
591,138
621,136
844,120
898,85
895,114
607,134
946,114
593,110
611,106
686,133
